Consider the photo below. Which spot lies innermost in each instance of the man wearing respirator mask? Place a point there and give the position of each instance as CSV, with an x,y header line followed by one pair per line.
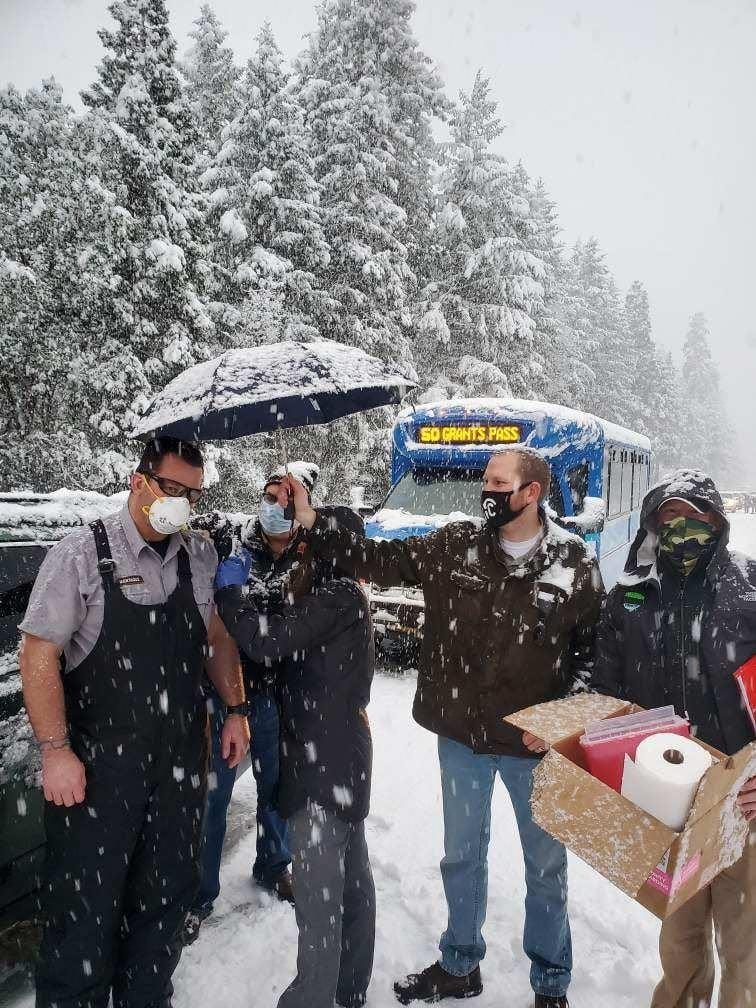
x,y
510,615
270,550
675,629
122,725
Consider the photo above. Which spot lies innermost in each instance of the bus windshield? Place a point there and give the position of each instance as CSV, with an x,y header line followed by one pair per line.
x,y
437,492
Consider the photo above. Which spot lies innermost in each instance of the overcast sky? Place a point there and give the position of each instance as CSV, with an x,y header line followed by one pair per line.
x,y
639,116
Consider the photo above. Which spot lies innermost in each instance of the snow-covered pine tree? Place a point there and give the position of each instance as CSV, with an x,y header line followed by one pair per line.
x,y
574,376
486,287
149,235
211,79
48,291
656,384
369,95
264,205
706,439
645,363
668,425
542,240
595,343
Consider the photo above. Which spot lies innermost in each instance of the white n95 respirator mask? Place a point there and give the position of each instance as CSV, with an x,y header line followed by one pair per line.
x,y
167,514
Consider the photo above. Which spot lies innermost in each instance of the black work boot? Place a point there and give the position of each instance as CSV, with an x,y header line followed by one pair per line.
x,y
435,984
544,1001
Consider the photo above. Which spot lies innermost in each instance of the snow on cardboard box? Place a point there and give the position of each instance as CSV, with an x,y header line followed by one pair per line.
x,y
652,864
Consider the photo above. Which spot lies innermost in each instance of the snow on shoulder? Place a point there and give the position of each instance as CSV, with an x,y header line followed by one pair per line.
x,y
559,534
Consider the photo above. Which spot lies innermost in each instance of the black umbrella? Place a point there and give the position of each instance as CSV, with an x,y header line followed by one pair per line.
x,y
270,388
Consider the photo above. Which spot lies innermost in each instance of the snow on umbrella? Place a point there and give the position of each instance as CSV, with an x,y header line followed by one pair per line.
x,y
272,387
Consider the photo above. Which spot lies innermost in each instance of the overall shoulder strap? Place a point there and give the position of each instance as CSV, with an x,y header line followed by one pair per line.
x,y
105,562
184,566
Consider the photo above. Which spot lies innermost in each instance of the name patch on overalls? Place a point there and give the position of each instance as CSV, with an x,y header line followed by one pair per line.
x,y
134,579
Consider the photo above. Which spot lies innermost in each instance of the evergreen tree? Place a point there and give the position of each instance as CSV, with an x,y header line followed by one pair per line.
x,y
369,96
486,287
211,79
645,372
577,342
49,291
706,438
264,203
667,430
595,346
542,240
149,232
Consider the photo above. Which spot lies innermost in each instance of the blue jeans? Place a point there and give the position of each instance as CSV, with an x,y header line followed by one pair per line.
x,y
467,781
272,849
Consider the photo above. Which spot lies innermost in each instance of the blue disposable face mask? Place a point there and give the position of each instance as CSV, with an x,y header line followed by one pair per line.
x,y
272,518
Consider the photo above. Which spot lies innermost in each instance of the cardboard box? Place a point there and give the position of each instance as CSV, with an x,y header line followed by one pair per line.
x,y
657,867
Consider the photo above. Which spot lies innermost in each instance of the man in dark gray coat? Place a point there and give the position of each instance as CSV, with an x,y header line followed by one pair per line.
x,y
674,630
318,645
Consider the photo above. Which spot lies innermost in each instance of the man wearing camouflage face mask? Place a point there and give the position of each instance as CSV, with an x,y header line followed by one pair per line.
x,y
674,630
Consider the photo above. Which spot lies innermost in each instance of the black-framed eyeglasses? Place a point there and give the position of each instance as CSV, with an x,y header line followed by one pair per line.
x,y
172,488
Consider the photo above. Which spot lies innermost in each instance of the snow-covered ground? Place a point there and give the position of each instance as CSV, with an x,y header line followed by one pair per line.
x,y
246,952
247,949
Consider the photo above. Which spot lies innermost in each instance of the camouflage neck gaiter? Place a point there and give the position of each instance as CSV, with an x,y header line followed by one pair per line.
x,y
684,542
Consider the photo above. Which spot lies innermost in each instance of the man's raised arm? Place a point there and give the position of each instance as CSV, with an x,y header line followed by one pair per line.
x,y
386,563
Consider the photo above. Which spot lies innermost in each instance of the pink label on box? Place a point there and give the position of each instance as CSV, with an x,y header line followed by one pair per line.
x,y
688,870
665,883
660,880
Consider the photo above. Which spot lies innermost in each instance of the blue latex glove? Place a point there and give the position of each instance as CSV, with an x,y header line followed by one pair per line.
x,y
234,570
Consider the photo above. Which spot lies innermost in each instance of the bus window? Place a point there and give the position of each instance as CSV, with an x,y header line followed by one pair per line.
x,y
555,497
437,491
615,483
639,470
627,482
577,481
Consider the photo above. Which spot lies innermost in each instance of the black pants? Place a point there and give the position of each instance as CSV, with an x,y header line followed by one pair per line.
x,y
122,870
335,907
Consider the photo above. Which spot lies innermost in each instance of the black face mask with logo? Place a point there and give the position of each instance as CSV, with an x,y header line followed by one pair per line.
x,y
496,506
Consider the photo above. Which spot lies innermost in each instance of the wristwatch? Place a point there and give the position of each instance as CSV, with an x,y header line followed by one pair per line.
x,y
240,708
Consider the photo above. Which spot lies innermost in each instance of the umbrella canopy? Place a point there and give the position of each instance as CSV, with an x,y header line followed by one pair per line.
x,y
265,388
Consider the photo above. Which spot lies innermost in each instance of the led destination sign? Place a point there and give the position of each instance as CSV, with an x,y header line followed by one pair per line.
x,y
463,434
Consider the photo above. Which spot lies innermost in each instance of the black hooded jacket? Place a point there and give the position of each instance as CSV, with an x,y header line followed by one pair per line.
x,y
667,640
317,651
321,647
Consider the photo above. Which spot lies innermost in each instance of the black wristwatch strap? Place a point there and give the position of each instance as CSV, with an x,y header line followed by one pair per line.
x,y
240,708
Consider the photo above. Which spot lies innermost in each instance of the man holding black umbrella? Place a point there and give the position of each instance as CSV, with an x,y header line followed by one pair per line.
x,y
510,616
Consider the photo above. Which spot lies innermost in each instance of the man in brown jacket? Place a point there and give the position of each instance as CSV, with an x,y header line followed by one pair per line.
x,y
510,615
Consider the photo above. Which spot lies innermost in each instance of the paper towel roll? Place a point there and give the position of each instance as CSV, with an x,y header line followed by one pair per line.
x,y
665,776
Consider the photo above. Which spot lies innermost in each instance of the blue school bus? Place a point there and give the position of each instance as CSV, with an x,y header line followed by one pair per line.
x,y
600,474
